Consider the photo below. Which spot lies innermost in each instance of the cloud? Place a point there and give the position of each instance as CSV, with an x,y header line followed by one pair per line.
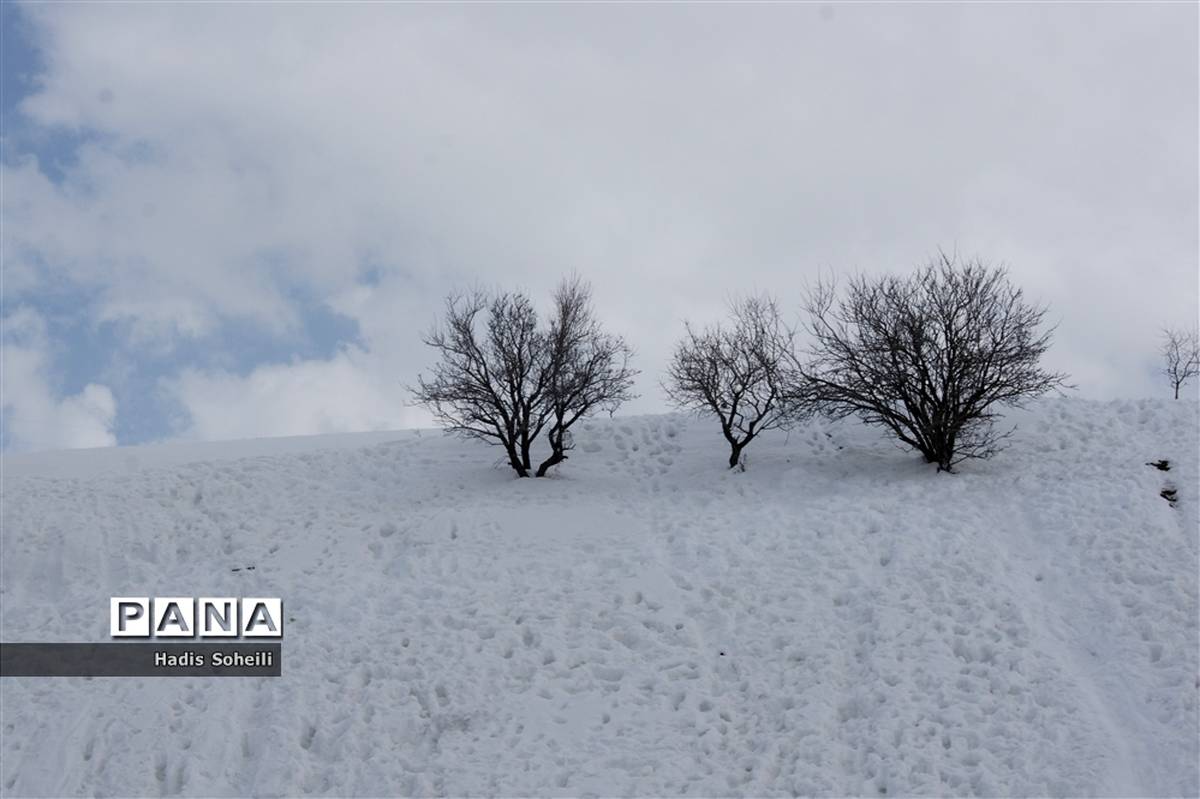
x,y
373,156
347,393
35,417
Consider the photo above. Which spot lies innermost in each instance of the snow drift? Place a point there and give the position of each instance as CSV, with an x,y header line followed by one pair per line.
x,y
836,620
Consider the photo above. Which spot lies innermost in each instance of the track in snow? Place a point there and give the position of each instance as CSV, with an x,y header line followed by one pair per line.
x,y
837,620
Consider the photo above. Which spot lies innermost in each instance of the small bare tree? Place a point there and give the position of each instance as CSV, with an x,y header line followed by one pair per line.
x,y
512,381
1181,352
490,384
744,374
929,356
589,369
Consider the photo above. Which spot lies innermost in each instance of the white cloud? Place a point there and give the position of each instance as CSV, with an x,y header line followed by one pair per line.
x,y
347,393
35,417
671,155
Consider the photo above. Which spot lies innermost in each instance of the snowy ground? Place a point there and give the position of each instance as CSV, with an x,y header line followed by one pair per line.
x,y
837,620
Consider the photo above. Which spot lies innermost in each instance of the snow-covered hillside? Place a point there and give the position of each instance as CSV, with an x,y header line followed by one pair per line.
x,y
836,620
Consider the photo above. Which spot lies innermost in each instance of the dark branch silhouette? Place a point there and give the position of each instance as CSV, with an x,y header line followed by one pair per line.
x,y
929,356
589,369
512,381
1181,353
744,374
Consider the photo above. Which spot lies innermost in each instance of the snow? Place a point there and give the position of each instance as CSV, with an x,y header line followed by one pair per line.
x,y
836,620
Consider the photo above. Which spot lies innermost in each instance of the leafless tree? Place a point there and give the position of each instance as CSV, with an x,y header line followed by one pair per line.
x,y
744,374
589,369
930,356
1181,352
489,384
509,382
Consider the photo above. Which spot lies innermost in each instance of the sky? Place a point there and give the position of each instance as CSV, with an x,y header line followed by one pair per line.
x,y
236,220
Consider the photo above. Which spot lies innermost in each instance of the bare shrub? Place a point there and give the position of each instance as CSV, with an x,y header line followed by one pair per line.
x,y
1181,356
930,356
588,368
744,373
512,380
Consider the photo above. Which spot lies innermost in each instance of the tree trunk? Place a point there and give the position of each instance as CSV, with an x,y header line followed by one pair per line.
x,y
735,453
940,456
525,460
558,451
515,461
557,457
944,458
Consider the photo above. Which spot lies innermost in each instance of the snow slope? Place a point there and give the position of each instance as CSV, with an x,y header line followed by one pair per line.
x,y
836,620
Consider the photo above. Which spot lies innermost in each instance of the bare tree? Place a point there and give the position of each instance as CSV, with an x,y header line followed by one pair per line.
x,y
490,384
509,382
589,369
744,374
929,356
1181,352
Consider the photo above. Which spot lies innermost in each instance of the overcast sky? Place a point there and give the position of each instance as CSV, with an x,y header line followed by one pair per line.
x,y
234,220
